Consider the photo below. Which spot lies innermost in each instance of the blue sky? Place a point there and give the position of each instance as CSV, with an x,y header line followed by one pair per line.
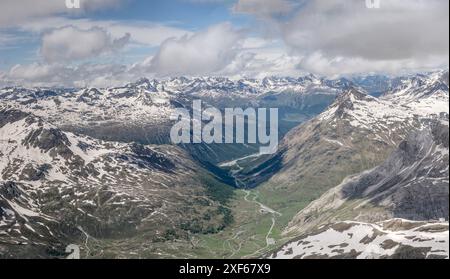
x,y
184,14
109,42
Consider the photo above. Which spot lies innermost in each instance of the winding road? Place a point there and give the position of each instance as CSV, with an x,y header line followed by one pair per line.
x,y
263,208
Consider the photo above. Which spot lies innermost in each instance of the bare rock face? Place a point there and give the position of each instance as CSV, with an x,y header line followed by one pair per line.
x,y
11,115
345,101
49,139
10,190
413,182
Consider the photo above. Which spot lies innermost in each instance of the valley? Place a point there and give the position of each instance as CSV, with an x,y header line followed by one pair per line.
x,y
94,167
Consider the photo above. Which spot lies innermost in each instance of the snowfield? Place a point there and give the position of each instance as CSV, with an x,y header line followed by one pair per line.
x,y
388,239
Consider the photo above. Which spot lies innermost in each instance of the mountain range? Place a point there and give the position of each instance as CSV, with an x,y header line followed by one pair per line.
x,y
366,156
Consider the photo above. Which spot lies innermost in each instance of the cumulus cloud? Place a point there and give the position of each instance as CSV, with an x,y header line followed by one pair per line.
x,y
18,11
71,43
204,52
142,32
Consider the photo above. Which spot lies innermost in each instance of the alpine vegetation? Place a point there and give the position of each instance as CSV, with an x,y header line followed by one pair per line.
x,y
236,125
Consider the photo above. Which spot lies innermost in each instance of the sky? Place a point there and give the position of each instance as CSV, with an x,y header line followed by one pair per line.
x,y
111,42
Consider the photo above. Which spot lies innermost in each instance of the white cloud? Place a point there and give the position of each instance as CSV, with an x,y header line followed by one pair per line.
x,y
346,30
317,63
70,43
400,29
344,36
261,64
339,37
205,52
260,57
38,74
15,12
142,32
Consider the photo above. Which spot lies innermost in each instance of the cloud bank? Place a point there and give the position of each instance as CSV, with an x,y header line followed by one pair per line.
x,y
281,37
400,29
203,53
71,43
